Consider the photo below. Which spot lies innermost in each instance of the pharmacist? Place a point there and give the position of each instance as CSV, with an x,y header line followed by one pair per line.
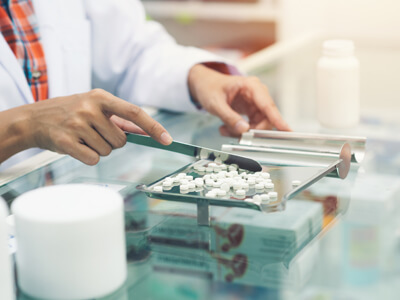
x,y
84,56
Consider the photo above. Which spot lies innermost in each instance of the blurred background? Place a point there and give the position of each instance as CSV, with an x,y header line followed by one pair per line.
x,y
237,28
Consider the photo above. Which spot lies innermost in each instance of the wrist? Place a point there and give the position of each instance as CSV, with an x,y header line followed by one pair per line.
x,y
22,129
203,82
15,132
194,78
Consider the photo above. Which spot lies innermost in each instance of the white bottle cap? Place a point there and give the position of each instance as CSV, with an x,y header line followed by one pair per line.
x,y
71,241
6,271
338,48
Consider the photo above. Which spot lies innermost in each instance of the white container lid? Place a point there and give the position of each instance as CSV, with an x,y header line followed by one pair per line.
x,y
71,241
338,48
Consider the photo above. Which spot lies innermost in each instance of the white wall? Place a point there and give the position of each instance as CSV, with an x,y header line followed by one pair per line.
x,y
377,19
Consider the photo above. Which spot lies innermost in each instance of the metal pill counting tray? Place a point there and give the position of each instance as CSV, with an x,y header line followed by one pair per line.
x,y
291,168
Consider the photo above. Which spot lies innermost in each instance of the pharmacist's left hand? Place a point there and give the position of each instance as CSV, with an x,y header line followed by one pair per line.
x,y
229,97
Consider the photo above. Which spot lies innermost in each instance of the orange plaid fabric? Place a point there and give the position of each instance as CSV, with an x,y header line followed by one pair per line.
x,y
19,27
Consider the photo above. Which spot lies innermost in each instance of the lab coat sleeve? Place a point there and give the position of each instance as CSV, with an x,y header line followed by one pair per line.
x,y
137,59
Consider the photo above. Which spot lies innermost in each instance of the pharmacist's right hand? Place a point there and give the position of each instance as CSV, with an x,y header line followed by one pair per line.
x,y
89,125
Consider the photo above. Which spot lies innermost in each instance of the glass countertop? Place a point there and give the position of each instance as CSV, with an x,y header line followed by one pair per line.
x,y
338,239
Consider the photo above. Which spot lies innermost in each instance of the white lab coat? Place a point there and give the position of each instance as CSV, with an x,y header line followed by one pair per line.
x,y
106,44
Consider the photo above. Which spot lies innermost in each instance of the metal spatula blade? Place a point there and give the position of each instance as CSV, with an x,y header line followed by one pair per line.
x,y
197,152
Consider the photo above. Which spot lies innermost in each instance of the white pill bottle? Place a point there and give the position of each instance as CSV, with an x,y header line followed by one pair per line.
x,y
338,85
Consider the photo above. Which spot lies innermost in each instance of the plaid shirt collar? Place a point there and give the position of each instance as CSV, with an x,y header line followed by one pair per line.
x,y
19,28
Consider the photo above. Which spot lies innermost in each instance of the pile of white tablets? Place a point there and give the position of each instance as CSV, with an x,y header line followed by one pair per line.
x,y
218,180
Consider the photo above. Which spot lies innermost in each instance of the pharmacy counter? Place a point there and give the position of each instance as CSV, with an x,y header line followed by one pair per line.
x,y
338,239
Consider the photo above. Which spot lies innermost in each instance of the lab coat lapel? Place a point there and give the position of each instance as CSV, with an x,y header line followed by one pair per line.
x,y
65,34
10,63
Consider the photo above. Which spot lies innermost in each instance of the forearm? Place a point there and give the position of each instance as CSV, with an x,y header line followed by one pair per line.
x,y
14,132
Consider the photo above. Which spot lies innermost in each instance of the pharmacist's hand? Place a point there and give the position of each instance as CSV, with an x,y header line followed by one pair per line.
x,y
87,126
229,97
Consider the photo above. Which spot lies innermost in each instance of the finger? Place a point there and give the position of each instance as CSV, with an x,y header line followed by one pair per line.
x,y
138,116
95,141
110,132
267,106
127,125
224,131
234,122
84,154
264,124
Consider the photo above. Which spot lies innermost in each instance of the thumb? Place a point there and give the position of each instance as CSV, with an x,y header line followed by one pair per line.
x,y
233,121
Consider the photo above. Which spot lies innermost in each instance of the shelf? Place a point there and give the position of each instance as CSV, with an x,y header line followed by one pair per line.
x,y
192,10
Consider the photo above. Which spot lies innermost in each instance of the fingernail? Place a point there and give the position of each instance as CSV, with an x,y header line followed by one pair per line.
x,y
242,126
166,139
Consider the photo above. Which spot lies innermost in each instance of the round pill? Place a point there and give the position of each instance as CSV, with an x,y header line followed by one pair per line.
x,y
243,174
251,181
241,192
233,173
199,183
265,175
259,179
296,183
204,153
273,195
221,175
237,185
259,186
245,186
177,179
223,156
184,181
212,165
209,182
229,180
183,187
221,193
257,198
201,169
181,175
192,185
232,168
264,197
158,188
217,169
224,167
207,176
217,183
269,185
225,186
189,177
248,200
209,169
214,176
211,194
218,160
167,183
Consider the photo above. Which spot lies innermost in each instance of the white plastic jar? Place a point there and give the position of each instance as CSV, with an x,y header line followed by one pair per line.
x,y
338,95
6,269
